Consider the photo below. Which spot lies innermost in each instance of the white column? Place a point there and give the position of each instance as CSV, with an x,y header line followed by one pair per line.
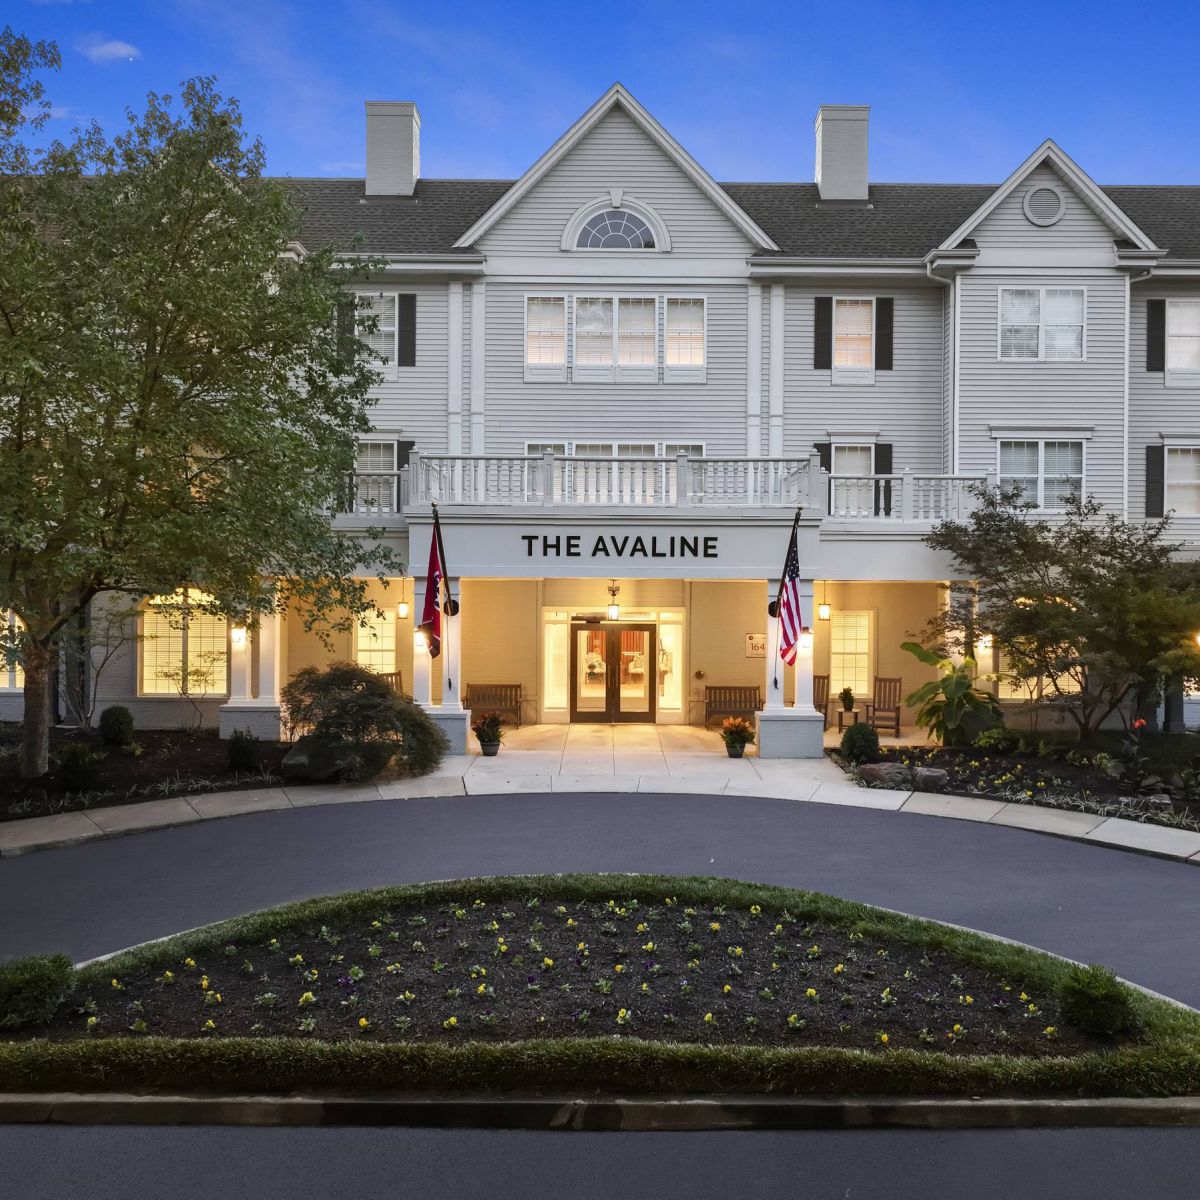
x,y
239,664
775,666
269,643
478,362
775,378
454,388
754,341
422,681
804,651
451,662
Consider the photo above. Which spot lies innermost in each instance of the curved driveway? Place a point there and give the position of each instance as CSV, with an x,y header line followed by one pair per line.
x,y
1134,913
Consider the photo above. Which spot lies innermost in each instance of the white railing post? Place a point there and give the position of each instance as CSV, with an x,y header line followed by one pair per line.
x,y
548,478
416,484
907,498
818,488
683,480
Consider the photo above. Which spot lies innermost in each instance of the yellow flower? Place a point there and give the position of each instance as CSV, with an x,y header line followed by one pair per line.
x,y
502,947
642,927
774,966
778,928
92,1022
648,946
669,901
1032,1008
203,982
811,993
839,968
619,968
883,1037
307,998
968,999
581,946
727,989
547,963
794,1020
756,910
116,983
449,1022
645,989
393,968
709,1019
210,1024
714,925
1023,997
736,951
570,922
297,960
1050,1030
363,1022
958,1029
481,989
189,962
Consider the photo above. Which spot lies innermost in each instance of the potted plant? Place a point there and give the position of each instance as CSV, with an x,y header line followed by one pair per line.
x,y
737,733
846,696
487,730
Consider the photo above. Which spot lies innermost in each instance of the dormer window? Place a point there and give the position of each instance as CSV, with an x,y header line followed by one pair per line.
x,y
615,229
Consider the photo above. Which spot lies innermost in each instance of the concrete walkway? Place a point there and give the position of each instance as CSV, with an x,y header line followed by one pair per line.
x,y
658,759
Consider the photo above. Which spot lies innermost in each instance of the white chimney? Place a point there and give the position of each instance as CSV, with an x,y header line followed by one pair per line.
x,y
393,147
841,131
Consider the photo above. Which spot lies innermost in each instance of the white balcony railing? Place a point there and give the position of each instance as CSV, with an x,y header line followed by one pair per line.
x,y
677,482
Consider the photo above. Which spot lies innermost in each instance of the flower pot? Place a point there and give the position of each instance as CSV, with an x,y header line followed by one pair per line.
x,y
489,749
735,749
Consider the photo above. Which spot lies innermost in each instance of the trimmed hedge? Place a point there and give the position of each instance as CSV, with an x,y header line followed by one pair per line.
x,y
31,989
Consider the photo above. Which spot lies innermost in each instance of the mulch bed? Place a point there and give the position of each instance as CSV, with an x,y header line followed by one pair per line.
x,y
501,970
162,762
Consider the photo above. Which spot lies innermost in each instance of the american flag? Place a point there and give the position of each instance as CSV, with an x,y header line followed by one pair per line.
x,y
790,620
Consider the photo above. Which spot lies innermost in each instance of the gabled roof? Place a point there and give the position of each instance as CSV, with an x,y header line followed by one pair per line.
x,y
618,95
1050,153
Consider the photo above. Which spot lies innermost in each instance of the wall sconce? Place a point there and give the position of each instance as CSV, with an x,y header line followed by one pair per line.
x,y
237,635
984,643
402,610
823,609
806,641
614,609
420,641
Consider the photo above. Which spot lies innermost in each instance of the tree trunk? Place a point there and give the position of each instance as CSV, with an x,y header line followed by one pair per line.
x,y
35,749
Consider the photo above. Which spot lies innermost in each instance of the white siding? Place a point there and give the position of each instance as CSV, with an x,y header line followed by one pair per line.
x,y
904,404
1154,408
713,411
412,400
616,153
1088,393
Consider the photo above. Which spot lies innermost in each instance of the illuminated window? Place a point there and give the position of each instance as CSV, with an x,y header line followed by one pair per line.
x,y
852,460
615,229
184,651
853,334
1041,324
850,652
546,332
1183,335
12,674
375,642
1048,472
686,353
637,335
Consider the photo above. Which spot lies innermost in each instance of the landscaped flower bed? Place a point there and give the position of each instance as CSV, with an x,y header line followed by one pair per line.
x,y
561,969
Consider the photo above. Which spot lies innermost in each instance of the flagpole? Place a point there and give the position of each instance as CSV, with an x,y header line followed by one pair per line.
x,y
773,606
449,606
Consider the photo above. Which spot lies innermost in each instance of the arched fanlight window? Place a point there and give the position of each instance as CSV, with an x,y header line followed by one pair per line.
x,y
615,229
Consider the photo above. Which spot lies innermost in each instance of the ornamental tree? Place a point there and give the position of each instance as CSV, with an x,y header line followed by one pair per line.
x,y
1096,609
177,404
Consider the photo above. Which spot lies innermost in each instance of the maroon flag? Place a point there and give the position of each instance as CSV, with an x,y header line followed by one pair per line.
x,y
431,614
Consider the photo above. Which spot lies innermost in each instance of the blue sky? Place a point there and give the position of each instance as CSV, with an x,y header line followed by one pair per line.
x,y
959,92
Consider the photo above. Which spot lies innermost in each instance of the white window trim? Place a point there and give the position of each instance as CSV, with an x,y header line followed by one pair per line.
x,y
1180,377
614,372
613,443
546,372
389,370
1042,438
680,373
850,443
615,198
853,376
142,694
1169,444
1041,290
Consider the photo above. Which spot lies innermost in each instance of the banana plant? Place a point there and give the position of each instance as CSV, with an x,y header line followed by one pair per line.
x,y
951,708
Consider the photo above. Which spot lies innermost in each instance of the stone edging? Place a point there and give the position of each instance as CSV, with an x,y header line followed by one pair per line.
x,y
570,1113
72,828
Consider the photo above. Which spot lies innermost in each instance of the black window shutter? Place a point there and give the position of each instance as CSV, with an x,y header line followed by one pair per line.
x,y
1156,335
884,306
344,329
825,451
883,487
1155,479
406,327
822,333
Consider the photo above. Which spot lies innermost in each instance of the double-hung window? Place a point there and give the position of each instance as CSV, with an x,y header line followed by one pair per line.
x,y
850,652
377,326
375,477
184,650
375,641
616,337
12,674
1042,324
1183,336
853,334
1182,476
686,337
1047,472
545,337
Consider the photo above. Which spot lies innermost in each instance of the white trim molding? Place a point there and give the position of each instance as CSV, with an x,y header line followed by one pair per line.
x,y
616,198
1043,433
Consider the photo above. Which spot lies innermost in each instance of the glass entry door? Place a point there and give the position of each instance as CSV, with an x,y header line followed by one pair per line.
x,y
612,672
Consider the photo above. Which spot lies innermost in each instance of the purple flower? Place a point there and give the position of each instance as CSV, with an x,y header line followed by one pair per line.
x,y
343,981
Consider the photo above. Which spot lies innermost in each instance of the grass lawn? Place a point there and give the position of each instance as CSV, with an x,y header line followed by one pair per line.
x,y
601,983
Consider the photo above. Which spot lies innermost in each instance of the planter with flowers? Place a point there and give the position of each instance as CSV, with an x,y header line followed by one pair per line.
x,y
737,733
487,730
846,696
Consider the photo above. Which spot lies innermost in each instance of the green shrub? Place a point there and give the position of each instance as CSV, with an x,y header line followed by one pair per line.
x,y
349,705
78,765
242,750
998,740
116,725
860,744
1093,1000
31,989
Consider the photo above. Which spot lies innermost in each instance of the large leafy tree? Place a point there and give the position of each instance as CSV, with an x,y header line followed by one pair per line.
x,y
1094,609
177,406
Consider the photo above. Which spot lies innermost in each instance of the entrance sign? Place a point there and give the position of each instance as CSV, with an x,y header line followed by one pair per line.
x,y
620,546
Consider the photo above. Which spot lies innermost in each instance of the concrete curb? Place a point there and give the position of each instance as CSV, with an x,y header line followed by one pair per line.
x,y
27,835
661,1114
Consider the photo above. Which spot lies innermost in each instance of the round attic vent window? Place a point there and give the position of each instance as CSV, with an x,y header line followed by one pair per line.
x,y
1044,204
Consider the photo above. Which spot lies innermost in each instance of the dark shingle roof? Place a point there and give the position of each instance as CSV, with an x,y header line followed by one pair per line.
x,y
903,220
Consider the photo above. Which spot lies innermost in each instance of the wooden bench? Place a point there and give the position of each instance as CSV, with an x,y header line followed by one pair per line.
x,y
395,680
504,698
731,702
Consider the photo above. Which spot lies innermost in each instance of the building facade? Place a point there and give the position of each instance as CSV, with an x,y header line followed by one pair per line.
x,y
618,380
